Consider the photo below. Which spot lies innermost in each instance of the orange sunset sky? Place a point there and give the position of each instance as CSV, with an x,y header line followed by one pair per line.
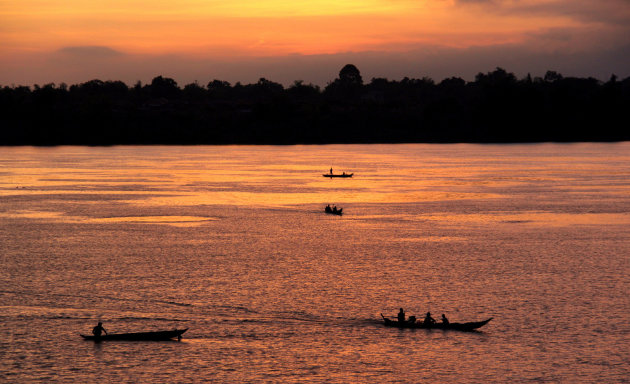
x,y
43,41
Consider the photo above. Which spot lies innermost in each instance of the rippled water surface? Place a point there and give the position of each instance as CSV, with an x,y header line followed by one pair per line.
x,y
233,244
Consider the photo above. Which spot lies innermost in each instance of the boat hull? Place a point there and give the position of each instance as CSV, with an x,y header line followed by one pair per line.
x,y
464,327
332,175
139,336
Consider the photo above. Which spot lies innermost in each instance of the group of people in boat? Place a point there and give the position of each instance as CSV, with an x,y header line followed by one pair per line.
x,y
334,209
428,319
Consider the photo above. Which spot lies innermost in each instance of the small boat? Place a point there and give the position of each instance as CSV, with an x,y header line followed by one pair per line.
x,y
464,327
333,211
140,336
331,175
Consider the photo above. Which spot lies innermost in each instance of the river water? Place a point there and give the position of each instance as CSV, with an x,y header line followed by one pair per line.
x,y
233,244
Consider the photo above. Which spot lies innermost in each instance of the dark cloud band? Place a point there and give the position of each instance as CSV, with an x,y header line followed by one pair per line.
x,y
93,51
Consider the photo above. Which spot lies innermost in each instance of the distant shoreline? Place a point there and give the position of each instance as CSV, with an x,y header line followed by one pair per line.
x,y
495,108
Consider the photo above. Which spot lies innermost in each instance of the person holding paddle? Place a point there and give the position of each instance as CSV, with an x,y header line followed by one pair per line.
x,y
96,331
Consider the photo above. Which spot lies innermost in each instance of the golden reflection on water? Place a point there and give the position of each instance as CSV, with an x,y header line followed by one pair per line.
x,y
537,218
280,199
179,221
282,186
289,177
515,232
432,239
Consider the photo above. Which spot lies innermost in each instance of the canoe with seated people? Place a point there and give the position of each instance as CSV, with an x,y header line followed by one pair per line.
x,y
430,323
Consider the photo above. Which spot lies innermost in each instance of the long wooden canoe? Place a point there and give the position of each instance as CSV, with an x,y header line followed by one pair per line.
x,y
140,336
465,327
331,175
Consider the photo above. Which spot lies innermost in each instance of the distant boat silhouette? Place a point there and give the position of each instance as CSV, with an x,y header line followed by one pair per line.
x,y
140,336
465,327
331,175
334,210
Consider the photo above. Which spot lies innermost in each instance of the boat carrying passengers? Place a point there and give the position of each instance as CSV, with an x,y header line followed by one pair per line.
x,y
428,319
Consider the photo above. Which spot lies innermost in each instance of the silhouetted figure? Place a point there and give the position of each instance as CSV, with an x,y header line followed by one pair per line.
x,y
428,320
444,320
96,331
412,320
401,316
331,170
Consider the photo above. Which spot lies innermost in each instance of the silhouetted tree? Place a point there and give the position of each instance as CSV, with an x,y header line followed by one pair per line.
x,y
267,87
300,90
498,77
164,87
552,76
453,83
613,79
347,86
194,91
219,89
350,75
494,108
218,84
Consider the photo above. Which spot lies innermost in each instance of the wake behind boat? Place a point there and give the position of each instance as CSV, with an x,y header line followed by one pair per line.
x,y
412,323
140,336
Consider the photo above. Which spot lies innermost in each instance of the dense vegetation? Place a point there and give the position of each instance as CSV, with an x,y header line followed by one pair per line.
x,y
496,107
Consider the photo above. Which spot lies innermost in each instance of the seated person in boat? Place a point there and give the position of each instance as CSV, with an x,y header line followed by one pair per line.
x,y
401,316
444,320
428,320
412,320
96,331
328,209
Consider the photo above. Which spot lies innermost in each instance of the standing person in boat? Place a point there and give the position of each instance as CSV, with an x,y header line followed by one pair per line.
x,y
96,331
331,170
401,316
445,320
428,320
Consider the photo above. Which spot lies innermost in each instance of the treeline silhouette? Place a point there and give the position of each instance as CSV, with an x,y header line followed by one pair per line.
x,y
495,107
